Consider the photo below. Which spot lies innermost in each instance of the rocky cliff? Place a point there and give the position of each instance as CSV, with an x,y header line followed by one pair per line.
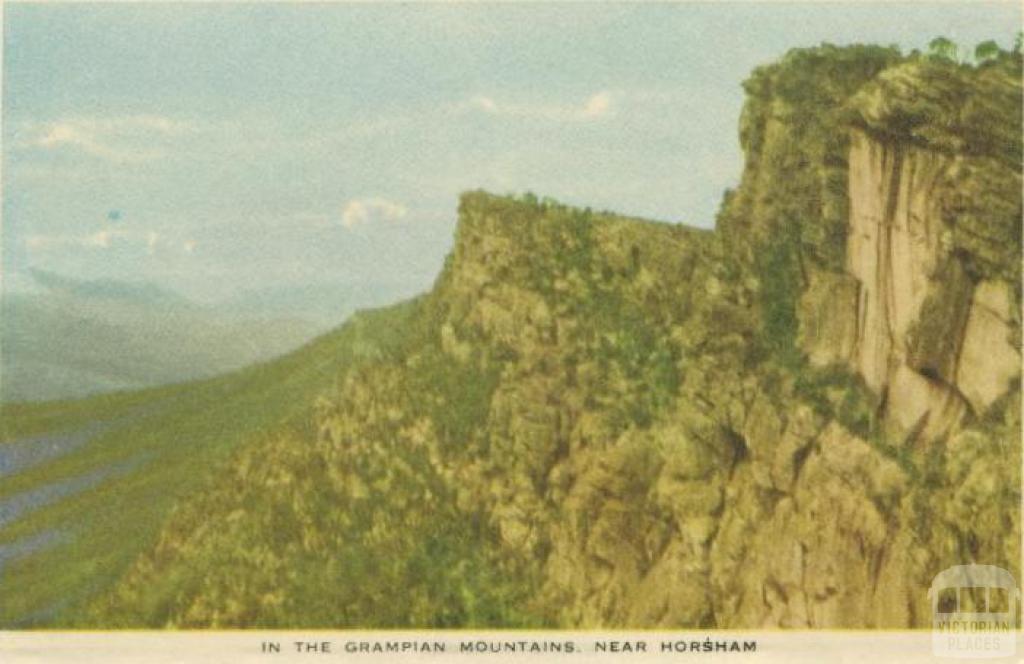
x,y
931,254
795,420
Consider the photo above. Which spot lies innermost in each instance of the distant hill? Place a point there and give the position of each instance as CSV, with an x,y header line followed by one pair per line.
x,y
73,338
109,290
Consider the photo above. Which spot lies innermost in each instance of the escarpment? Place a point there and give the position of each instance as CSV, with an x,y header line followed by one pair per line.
x,y
796,420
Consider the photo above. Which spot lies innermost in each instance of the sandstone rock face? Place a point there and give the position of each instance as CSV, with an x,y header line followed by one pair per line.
x,y
988,359
926,338
894,250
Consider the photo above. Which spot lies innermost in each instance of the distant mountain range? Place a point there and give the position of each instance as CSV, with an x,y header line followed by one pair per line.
x,y
72,337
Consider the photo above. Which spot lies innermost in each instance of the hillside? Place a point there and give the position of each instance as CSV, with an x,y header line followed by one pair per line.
x,y
796,420
86,484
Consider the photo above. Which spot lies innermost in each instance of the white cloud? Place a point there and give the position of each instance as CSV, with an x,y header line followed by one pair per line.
x,y
63,134
596,106
60,134
47,241
102,239
98,240
366,210
484,104
131,138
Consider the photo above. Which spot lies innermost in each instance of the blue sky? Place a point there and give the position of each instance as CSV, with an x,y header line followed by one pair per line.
x,y
218,148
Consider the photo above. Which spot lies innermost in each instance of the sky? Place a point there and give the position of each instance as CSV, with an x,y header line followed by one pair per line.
x,y
214,149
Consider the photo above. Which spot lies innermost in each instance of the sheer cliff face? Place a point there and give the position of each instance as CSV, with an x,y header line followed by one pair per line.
x,y
892,248
929,338
935,328
797,420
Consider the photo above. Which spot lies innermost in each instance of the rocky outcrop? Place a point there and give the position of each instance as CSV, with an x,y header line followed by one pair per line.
x,y
921,320
989,362
816,556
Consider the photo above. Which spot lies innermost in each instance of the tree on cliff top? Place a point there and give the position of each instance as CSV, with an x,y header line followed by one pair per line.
x,y
986,50
943,48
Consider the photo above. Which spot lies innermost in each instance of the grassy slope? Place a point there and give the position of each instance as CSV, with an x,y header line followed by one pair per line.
x,y
185,431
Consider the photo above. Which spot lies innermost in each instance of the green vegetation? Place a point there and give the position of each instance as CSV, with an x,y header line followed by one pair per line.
x,y
943,48
986,50
167,440
781,285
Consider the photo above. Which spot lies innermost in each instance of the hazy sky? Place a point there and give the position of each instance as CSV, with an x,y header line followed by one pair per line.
x,y
214,148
